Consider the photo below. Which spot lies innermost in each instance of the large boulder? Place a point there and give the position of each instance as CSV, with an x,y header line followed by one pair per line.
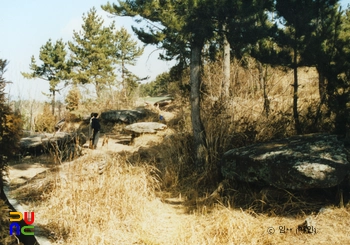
x,y
145,127
299,162
33,144
40,143
124,116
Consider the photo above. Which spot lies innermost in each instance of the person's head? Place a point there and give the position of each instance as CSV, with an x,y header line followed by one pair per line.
x,y
95,114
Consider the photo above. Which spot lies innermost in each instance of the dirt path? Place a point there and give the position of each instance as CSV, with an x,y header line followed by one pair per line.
x,y
25,169
167,219
168,222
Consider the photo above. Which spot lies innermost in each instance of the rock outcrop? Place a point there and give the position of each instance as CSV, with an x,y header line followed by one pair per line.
x,y
41,143
145,127
33,144
124,116
158,101
299,162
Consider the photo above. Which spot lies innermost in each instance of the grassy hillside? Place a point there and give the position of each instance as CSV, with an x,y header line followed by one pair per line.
x,y
149,192
111,197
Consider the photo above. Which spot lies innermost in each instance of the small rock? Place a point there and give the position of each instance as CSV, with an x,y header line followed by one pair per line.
x,y
308,226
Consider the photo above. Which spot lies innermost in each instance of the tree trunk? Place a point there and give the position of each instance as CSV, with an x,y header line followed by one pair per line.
x,y
197,126
295,95
263,81
53,101
31,123
321,85
97,88
322,92
261,74
124,89
59,109
226,68
111,92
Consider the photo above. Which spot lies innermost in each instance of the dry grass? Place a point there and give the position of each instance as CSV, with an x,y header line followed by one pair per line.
x,y
119,206
236,122
104,199
123,198
98,195
227,226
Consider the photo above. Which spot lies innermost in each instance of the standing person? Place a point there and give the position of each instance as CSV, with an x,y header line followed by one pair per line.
x,y
95,128
90,132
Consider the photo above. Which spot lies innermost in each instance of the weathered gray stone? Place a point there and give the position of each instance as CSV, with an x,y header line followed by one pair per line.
x,y
145,127
299,162
161,101
40,143
124,116
33,144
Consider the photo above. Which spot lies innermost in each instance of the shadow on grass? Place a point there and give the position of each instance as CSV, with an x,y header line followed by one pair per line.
x,y
49,232
36,189
273,201
26,162
201,190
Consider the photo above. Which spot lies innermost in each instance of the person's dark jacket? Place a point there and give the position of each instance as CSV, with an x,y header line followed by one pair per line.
x,y
95,125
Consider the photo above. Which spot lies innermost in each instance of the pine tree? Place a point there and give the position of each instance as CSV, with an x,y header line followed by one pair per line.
x,y
240,25
324,45
126,53
158,87
178,27
54,69
297,17
338,79
321,49
92,53
182,28
310,30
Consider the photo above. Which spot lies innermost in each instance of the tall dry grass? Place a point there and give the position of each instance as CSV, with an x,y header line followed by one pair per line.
x,y
233,226
240,120
113,199
103,199
97,199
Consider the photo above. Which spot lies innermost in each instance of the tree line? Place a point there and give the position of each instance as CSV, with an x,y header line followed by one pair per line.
x,y
93,57
287,33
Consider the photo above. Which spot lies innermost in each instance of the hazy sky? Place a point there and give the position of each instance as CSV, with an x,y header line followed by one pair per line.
x,y
26,25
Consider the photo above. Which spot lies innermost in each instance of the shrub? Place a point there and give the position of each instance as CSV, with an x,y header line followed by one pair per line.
x,y
45,122
10,132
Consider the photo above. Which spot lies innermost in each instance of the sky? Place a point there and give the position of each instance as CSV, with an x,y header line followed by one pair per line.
x,y
26,25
